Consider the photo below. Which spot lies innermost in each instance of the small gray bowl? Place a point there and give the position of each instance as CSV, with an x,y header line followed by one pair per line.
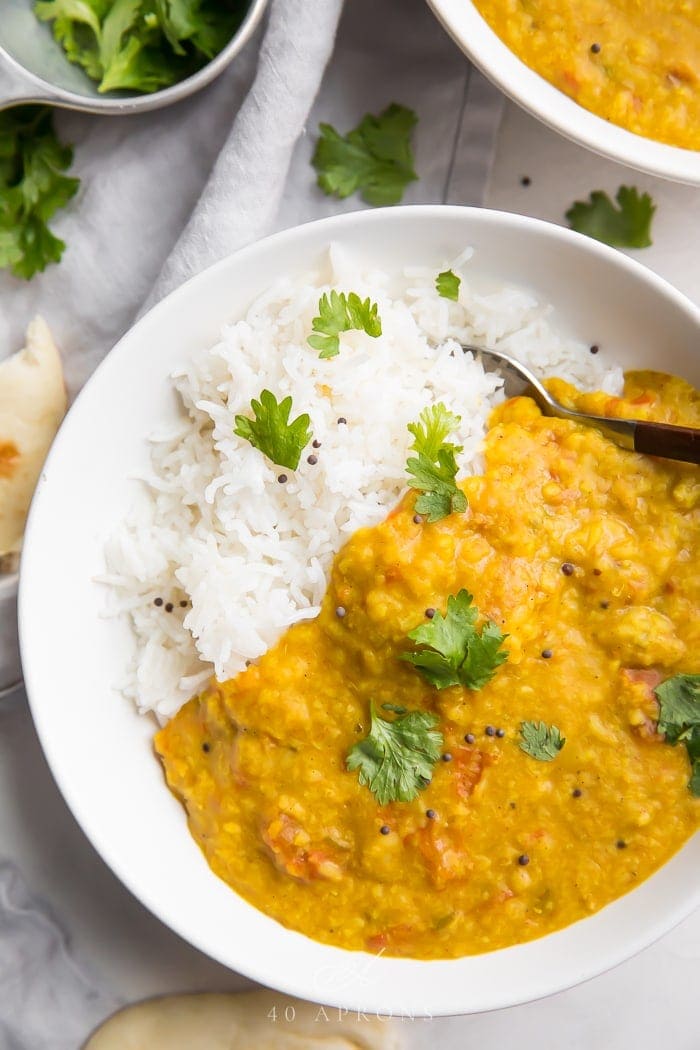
x,y
10,667
46,75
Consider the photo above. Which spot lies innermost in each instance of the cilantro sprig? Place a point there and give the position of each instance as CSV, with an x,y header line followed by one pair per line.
x,y
375,158
454,651
447,285
679,719
541,741
32,189
396,758
627,226
141,45
338,313
432,471
271,432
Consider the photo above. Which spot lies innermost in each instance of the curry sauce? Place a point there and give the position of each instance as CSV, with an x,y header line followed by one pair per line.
x,y
587,557
636,65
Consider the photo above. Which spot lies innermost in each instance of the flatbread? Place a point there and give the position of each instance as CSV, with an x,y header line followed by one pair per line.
x,y
32,405
243,1021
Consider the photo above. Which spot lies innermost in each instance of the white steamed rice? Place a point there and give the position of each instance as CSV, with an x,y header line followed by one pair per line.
x,y
248,556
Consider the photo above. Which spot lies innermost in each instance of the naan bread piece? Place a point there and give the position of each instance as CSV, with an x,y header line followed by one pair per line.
x,y
241,1021
32,405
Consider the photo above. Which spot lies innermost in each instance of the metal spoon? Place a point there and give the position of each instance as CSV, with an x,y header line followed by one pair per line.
x,y
48,78
653,439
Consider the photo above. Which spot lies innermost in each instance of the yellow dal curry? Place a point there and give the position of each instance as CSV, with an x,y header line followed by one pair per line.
x,y
635,64
499,848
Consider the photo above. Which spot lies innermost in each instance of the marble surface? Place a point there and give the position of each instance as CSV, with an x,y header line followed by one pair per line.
x,y
128,954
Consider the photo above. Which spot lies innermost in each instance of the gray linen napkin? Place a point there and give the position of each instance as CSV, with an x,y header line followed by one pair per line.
x,y
46,1003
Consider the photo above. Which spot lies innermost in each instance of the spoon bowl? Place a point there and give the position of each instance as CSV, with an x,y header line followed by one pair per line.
x,y
653,439
44,75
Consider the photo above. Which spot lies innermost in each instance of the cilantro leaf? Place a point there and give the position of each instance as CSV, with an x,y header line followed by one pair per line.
x,y
541,741
375,158
141,45
272,433
628,226
679,719
396,758
434,469
339,313
455,652
32,189
447,285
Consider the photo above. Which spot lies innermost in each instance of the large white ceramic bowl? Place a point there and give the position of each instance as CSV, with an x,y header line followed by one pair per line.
x,y
487,51
100,750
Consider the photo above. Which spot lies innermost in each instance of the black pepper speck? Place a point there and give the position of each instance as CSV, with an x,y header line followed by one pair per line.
x,y
169,607
577,793
184,604
595,348
430,613
500,733
283,479
523,859
313,460
430,814
547,654
567,568
340,611
315,443
469,738
384,830
621,844
417,520
595,48
447,757
490,730
525,181
604,605
206,748
341,419
158,602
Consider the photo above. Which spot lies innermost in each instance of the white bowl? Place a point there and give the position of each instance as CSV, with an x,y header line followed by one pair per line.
x,y
100,750
535,94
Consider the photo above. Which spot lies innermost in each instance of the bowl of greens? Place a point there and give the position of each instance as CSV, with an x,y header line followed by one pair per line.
x,y
122,56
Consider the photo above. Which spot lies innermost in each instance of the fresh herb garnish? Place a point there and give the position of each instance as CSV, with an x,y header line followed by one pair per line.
x,y
141,45
396,758
541,741
272,433
375,158
338,313
447,285
434,469
679,719
455,652
32,189
628,226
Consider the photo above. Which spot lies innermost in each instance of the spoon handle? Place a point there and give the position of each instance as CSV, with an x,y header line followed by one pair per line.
x,y
671,442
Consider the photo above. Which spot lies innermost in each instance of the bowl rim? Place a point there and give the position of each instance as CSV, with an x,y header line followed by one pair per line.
x,y
139,103
471,32
293,982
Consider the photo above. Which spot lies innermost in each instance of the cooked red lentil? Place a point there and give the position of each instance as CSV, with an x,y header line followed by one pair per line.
x,y
634,64
587,556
